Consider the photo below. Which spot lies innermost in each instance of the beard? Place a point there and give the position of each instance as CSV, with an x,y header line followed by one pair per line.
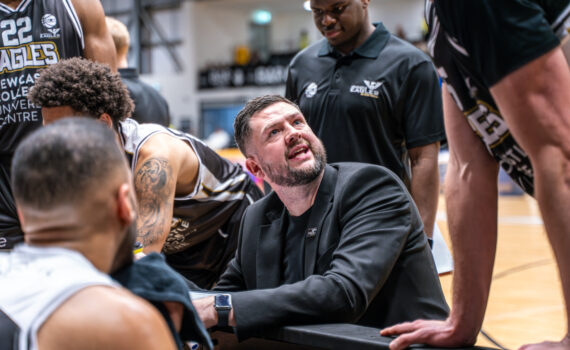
x,y
125,256
286,176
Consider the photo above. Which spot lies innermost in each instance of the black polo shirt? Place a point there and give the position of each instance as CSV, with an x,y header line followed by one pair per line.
x,y
371,105
150,105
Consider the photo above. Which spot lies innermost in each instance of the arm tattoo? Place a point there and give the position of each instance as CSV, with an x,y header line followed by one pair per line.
x,y
154,186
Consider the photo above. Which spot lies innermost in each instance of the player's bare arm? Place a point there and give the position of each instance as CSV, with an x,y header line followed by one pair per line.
x,y
166,167
154,183
425,182
99,44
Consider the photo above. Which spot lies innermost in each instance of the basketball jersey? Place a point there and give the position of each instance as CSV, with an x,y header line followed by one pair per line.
x,y
35,35
35,282
220,188
469,71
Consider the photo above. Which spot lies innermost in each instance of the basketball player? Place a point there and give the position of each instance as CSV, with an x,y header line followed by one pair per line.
x,y
75,198
191,199
506,104
36,34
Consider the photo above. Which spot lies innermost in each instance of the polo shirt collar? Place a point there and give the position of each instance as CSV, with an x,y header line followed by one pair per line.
x,y
370,48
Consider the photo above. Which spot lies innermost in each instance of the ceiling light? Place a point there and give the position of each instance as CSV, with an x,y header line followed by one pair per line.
x,y
261,17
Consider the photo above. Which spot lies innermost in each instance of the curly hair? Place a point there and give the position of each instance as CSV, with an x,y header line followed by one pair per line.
x,y
89,88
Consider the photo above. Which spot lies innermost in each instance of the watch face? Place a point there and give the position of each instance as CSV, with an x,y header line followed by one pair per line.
x,y
223,301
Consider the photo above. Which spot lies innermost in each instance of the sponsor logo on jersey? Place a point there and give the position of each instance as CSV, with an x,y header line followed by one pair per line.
x,y
311,90
33,55
49,22
369,89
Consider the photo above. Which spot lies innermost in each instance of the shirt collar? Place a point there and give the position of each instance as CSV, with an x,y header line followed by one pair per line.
x,y
128,72
370,48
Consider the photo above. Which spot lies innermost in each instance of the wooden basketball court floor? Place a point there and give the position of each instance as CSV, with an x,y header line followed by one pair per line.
x,y
525,304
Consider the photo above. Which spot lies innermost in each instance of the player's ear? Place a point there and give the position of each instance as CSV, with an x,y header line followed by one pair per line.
x,y
254,168
125,206
106,118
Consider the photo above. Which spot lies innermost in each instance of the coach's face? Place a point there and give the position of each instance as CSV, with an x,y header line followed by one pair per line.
x,y
341,22
283,149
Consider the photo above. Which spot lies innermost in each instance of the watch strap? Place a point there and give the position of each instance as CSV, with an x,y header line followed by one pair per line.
x,y
223,317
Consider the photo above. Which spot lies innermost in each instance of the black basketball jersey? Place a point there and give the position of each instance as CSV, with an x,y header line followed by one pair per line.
x,y
35,35
470,67
220,188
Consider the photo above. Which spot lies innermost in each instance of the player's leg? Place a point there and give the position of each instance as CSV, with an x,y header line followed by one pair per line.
x,y
535,101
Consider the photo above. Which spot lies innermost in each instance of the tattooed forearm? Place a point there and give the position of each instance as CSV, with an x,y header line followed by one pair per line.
x,y
154,183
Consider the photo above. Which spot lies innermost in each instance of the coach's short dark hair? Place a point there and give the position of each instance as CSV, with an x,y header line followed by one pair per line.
x,y
63,162
90,88
242,130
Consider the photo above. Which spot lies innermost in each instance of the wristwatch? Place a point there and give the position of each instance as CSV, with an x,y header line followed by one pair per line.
x,y
223,305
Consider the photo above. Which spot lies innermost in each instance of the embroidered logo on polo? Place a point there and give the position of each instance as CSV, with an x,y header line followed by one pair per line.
x,y
311,90
369,89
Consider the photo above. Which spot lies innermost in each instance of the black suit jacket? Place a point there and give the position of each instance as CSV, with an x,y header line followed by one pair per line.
x,y
366,258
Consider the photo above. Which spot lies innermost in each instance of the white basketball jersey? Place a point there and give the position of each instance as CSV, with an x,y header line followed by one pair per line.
x,y
34,282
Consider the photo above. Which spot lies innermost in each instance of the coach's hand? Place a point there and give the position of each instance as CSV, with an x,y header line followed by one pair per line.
x,y
435,333
206,311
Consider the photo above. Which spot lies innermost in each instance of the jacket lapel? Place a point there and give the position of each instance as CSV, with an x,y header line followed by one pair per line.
x,y
270,250
321,208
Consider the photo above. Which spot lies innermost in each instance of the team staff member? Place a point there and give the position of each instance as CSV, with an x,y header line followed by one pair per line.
x,y
507,103
150,106
371,97
191,200
332,243
36,34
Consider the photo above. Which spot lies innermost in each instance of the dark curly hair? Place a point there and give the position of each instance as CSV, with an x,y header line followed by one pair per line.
x,y
90,88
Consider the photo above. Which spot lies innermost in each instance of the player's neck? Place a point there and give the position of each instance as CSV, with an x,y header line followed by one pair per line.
x,y
12,4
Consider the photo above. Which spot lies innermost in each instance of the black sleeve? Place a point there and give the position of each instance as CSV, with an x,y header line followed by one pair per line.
x,y
232,279
423,111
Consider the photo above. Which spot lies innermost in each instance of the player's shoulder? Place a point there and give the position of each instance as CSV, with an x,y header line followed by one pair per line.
x,y
83,8
108,317
164,144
